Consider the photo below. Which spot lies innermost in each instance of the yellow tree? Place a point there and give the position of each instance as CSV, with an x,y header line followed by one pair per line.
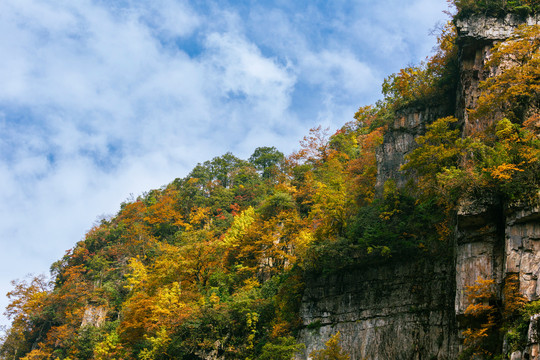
x,y
515,88
331,351
333,202
26,312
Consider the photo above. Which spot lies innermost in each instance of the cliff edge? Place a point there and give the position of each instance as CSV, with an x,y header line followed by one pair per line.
x,y
414,308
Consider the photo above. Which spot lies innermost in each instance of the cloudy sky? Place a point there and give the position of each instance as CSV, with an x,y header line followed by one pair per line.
x,y
100,99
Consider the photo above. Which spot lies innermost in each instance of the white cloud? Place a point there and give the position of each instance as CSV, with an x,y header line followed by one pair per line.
x,y
338,70
248,83
98,101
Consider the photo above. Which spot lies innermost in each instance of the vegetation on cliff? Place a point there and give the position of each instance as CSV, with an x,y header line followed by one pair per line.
x,y
214,264
496,7
432,83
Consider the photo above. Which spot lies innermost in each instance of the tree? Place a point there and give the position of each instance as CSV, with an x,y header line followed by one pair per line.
x,y
331,351
333,202
283,349
484,318
516,87
441,148
266,160
219,168
314,148
28,312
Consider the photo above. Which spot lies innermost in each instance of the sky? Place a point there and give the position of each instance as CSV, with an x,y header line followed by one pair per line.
x,y
102,100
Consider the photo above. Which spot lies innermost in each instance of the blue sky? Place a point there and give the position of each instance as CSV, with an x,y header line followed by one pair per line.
x,y
103,99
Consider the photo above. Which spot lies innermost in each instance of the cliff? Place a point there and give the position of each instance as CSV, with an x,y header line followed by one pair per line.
x,y
414,308
396,311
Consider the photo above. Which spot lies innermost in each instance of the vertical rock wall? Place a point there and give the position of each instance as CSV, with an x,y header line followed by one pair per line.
x,y
522,257
400,140
478,247
522,249
396,311
412,309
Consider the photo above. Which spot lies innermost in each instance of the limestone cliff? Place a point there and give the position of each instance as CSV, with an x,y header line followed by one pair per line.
x,y
399,140
413,309
476,36
395,311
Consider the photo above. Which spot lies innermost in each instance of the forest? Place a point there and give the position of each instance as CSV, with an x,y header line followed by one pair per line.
x,y
215,263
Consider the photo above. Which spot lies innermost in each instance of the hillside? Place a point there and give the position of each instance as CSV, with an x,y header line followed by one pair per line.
x,y
412,231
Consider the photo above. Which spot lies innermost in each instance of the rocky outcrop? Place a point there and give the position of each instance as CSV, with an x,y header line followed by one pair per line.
x,y
400,140
476,36
495,243
395,311
481,28
94,316
413,309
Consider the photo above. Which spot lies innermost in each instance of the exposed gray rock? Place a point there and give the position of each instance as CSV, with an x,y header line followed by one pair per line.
x,y
400,140
482,28
94,316
394,311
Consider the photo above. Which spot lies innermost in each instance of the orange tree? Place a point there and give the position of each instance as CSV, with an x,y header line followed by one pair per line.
x,y
429,83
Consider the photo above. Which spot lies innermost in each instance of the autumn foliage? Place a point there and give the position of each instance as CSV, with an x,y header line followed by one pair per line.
x,y
214,264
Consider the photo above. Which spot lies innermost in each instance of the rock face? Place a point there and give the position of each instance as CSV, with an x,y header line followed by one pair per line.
x,y
395,311
478,248
413,309
494,244
522,257
522,249
94,316
476,36
400,139
484,29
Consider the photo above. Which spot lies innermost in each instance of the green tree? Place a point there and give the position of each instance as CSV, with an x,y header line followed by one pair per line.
x,y
218,169
266,160
283,349
441,148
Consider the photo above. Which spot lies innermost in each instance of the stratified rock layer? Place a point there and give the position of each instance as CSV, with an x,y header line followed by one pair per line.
x,y
395,311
